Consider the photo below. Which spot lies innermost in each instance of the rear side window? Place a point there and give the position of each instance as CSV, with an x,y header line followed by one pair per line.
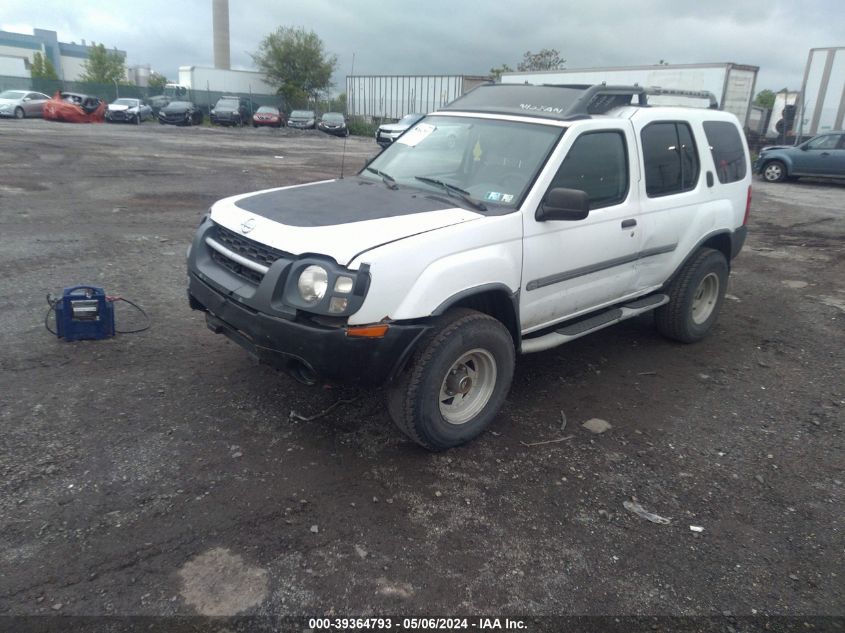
x,y
727,150
670,158
597,163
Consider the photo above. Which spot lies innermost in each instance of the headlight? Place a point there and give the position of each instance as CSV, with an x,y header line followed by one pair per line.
x,y
312,284
214,112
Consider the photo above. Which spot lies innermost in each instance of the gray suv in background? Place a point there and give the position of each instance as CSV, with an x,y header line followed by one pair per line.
x,y
231,111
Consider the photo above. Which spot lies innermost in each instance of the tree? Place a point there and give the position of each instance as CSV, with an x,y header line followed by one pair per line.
x,y
42,68
497,71
765,99
157,81
546,59
295,61
103,66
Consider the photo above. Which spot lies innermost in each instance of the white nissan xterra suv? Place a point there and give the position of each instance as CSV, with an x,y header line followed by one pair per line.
x,y
515,219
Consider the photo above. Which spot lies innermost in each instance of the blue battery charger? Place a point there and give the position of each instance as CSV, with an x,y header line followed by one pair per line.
x,y
84,313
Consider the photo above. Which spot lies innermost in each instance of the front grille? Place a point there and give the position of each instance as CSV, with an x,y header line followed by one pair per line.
x,y
245,247
235,267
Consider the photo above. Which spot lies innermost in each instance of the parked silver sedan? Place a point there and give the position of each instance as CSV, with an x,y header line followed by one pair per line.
x,y
22,103
130,110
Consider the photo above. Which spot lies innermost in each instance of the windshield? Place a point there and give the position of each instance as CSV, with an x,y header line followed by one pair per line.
x,y
302,114
334,117
126,102
267,110
492,161
12,94
227,103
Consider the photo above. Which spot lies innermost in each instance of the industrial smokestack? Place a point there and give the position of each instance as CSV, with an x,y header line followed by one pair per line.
x,y
220,21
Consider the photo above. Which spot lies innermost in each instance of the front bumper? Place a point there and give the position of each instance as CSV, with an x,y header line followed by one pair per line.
x,y
295,343
334,131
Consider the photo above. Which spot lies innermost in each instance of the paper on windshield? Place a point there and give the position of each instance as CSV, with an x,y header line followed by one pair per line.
x,y
416,134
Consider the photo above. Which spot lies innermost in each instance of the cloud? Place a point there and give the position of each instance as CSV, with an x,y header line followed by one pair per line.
x,y
470,37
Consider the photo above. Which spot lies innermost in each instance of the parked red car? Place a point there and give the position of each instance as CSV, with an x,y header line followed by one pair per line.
x,y
268,115
73,107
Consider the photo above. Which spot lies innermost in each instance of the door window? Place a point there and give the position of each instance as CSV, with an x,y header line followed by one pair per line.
x,y
670,159
597,163
828,141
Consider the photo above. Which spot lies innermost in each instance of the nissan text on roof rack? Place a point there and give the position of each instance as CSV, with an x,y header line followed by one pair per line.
x,y
513,220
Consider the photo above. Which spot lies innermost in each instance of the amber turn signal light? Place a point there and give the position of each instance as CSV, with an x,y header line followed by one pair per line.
x,y
368,331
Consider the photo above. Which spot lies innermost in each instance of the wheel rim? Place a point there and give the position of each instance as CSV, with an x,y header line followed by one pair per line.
x,y
706,296
773,172
468,386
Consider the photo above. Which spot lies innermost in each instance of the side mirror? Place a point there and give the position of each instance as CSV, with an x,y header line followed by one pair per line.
x,y
563,205
26,99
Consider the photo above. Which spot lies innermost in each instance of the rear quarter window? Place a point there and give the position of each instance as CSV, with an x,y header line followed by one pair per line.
x,y
727,149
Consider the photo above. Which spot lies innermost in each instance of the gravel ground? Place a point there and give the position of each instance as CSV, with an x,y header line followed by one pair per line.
x,y
162,473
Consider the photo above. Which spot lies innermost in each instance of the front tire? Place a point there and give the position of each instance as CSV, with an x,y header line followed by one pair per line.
x,y
695,298
19,113
456,382
774,171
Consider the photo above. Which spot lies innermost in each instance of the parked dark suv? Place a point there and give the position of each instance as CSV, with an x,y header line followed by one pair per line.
x,y
231,111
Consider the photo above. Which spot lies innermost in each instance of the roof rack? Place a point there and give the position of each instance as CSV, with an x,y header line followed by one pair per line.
x,y
563,102
692,94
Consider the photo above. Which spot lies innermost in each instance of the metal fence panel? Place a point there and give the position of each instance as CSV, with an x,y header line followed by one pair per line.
x,y
394,96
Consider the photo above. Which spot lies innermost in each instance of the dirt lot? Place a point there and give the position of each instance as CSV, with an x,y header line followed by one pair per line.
x,y
161,472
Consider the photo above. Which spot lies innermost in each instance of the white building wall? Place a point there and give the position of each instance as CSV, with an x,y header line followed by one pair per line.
x,y
72,68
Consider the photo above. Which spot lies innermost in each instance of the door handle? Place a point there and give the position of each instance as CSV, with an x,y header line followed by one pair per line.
x,y
627,224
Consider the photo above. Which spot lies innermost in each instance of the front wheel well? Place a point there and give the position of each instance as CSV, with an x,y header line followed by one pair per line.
x,y
498,303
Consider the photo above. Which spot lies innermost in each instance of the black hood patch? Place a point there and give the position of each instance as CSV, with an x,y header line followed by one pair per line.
x,y
340,202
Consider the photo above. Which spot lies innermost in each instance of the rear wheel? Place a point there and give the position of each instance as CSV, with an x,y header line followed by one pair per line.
x,y
456,382
774,171
695,297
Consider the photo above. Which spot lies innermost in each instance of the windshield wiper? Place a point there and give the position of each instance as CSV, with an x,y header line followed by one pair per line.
x,y
455,191
387,179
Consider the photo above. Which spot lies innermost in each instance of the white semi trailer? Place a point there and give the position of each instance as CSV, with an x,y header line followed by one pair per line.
x,y
198,78
822,102
731,84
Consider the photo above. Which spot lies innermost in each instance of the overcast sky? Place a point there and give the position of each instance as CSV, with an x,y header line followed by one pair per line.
x,y
458,37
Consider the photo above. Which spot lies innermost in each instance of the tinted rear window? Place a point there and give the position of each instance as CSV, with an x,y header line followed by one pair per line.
x,y
727,150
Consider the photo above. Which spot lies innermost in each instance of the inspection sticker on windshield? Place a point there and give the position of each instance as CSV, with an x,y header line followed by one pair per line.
x,y
416,134
495,196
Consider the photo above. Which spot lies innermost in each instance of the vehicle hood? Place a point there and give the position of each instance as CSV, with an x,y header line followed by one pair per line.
x,y
337,218
10,101
393,127
225,109
770,148
174,109
300,119
120,108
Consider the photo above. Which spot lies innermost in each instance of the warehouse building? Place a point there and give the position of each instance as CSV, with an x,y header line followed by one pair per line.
x,y
68,58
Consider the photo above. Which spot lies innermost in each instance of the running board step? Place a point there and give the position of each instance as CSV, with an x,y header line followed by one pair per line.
x,y
592,324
